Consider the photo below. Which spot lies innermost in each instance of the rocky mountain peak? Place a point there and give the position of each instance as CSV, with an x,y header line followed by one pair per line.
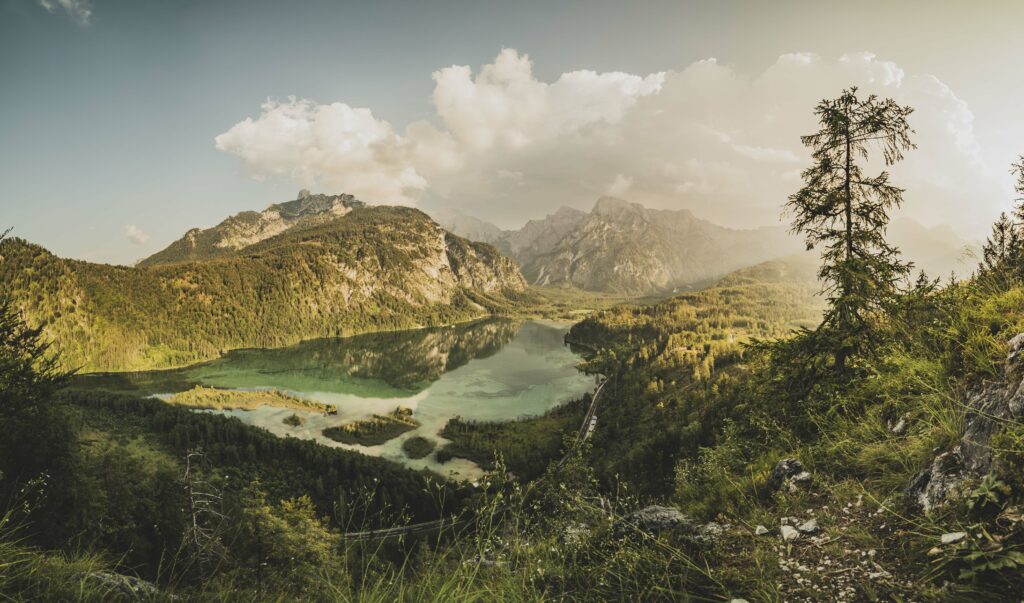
x,y
250,227
613,206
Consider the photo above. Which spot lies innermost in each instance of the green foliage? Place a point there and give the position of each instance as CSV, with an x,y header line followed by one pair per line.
x,y
284,548
374,431
355,274
846,213
418,447
679,365
526,445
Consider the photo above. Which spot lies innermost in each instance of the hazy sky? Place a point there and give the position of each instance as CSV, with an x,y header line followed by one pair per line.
x,y
124,123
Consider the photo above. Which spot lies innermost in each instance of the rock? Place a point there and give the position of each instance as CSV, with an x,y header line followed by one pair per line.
x,y
738,601
952,537
1015,352
804,477
932,552
575,534
800,481
760,530
808,527
135,589
783,470
709,533
789,533
989,407
901,427
656,519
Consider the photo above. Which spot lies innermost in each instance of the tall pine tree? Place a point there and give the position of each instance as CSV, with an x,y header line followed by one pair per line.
x,y
1003,251
846,213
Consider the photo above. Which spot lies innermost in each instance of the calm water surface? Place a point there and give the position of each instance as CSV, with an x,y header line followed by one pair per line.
x,y
491,370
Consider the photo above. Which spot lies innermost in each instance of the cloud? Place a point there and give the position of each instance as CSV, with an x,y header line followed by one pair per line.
x,y
505,106
619,186
135,234
509,146
334,146
80,11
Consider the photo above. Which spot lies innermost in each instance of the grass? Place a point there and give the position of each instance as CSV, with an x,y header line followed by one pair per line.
x,y
28,574
230,399
375,430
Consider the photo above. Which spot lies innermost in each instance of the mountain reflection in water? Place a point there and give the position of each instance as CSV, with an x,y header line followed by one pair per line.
x,y
491,370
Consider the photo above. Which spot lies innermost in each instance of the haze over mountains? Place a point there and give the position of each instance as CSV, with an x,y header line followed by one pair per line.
x,y
627,248
617,247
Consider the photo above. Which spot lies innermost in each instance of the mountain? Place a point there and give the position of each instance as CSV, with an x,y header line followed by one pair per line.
x,y
937,250
627,248
368,269
469,227
250,227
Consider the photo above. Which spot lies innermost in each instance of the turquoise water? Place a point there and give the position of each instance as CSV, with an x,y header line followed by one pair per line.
x,y
492,370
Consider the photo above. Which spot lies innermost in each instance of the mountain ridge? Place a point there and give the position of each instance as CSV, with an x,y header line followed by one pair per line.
x,y
250,227
624,247
373,268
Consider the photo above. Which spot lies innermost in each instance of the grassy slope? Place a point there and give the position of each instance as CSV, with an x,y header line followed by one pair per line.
x,y
696,420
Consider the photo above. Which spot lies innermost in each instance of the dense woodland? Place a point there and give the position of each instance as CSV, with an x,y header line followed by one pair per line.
x,y
524,447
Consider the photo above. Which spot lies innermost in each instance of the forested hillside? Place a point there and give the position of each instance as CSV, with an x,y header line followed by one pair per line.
x,y
374,268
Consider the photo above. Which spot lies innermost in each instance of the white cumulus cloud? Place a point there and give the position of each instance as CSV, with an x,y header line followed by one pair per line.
x,y
80,11
509,146
334,146
135,234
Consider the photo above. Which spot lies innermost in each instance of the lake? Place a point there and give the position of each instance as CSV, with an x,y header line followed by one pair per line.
x,y
491,370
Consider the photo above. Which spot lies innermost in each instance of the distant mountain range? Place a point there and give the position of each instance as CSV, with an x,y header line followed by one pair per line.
x,y
314,267
626,248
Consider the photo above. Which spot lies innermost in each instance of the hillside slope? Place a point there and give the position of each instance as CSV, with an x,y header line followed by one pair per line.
x,y
374,268
250,227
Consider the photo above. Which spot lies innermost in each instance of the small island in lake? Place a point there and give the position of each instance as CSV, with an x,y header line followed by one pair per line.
x,y
293,420
211,398
375,430
418,447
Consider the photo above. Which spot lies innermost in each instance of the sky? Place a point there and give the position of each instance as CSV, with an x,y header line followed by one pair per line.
x,y
123,123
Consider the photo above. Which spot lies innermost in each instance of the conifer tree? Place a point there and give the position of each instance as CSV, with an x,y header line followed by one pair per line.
x,y
846,213
1002,246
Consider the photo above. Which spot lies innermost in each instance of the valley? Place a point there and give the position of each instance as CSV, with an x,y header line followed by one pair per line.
x,y
490,370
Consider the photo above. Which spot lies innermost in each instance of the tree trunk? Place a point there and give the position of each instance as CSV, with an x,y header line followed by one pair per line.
x,y
847,287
